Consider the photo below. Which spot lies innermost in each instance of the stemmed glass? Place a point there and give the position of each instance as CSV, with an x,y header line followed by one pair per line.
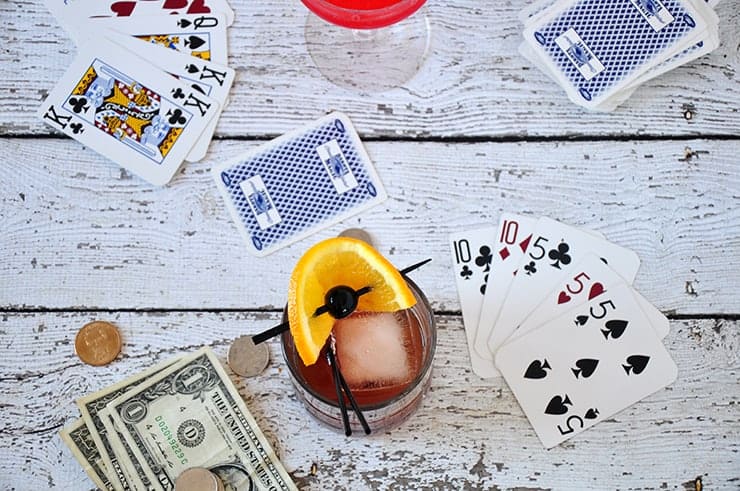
x,y
367,45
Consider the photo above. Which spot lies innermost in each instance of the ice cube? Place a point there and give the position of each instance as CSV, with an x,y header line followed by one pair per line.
x,y
372,349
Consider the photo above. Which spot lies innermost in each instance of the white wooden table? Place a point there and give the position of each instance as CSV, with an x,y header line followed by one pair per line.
x,y
478,131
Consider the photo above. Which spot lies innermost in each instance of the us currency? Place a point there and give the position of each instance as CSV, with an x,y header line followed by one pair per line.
x,y
92,404
137,476
192,415
79,440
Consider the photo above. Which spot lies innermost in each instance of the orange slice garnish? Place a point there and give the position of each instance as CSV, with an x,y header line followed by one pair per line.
x,y
334,262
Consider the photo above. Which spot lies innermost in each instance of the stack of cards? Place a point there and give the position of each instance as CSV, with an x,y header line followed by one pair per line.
x,y
148,83
299,183
601,52
550,307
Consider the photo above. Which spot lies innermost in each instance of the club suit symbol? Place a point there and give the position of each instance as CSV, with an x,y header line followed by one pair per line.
x,y
560,255
466,273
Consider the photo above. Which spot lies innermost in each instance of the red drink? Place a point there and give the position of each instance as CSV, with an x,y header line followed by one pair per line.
x,y
385,359
363,14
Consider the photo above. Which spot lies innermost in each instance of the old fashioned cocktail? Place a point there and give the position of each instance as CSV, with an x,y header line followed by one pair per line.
x,y
385,357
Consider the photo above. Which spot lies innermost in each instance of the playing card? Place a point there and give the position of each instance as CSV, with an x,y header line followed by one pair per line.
x,y
589,279
207,77
198,35
512,238
299,183
128,110
73,14
507,244
585,366
472,255
596,48
553,251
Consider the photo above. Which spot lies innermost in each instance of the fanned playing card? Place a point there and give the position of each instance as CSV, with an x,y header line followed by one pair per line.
x,y
299,183
128,110
586,365
205,76
552,253
589,279
472,255
200,35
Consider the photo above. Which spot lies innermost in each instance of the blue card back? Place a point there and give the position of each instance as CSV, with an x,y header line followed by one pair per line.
x,y
299,183
596,47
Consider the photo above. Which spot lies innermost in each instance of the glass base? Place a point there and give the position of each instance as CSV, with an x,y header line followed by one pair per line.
x,y
370,60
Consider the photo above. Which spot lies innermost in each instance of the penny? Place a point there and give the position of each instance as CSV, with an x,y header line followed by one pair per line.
x,y
246,358
98,343
357,233
197,479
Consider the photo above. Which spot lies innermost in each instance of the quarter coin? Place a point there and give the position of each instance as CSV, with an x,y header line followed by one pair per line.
x,y
98,343
357,233
197,479
246,358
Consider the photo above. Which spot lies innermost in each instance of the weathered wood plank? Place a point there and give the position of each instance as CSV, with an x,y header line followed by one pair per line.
x,y
474,83
77,231
468,434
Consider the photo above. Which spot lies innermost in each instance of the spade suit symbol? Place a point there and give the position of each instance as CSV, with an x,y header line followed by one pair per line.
x,y
194,42
191,68
585,367
183,23
558,405
536,369
592,413
636,364
581,320
615,328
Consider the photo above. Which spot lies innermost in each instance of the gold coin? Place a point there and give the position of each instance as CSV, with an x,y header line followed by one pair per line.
x,y
197,479
98,343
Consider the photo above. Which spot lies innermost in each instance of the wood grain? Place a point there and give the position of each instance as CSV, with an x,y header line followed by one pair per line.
x,y
473,84
469,433
82,233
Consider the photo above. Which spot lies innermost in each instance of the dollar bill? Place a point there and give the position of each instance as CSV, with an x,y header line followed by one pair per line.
x,y
90,407
136,475
192,415
79,440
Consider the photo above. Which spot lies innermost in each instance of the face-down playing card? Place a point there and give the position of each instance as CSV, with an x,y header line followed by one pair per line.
x,y
597,48
585,366
128,110
299,183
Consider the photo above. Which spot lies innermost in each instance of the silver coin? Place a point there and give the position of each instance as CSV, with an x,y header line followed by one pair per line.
x,y
246,358
196,479
357,233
